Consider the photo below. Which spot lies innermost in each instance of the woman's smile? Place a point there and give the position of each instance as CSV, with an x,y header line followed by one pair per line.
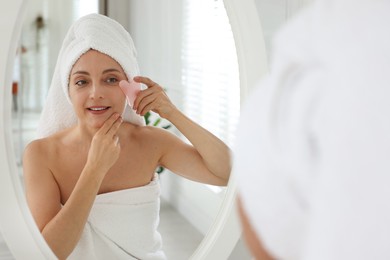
x,y
98,110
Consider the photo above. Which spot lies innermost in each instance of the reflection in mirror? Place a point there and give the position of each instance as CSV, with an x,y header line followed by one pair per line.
x,y
198,69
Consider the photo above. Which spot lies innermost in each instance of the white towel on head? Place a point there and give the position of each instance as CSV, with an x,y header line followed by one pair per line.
x,y
313,145
96,32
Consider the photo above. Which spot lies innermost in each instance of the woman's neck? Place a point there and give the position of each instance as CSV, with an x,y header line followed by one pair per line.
x,y
85,133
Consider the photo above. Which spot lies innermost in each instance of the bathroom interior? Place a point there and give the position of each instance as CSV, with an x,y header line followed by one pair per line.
x,y
198,52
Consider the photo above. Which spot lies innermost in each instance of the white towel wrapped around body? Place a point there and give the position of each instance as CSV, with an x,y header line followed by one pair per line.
x,y
123,225
96,32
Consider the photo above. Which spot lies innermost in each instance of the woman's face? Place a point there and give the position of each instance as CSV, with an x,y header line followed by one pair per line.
x,y
94,88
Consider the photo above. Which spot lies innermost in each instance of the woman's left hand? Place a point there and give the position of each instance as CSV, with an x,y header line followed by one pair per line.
x,y
153,99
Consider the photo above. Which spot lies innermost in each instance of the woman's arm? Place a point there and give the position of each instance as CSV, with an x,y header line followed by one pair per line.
x,y
251,238
62,226
208,160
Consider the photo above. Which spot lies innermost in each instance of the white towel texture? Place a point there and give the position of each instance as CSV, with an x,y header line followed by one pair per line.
x,y
123,225
5,253
96,32
313,145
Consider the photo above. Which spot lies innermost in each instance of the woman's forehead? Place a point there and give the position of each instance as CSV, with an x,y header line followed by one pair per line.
x,y
93,60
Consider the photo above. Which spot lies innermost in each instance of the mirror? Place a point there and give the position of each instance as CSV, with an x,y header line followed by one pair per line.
x,y
223,234
274,14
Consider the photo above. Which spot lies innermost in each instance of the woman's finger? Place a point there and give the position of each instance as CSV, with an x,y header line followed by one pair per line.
x,y
146,101
146,109
108,124
141,95
114,127
145,80
116,139
147,92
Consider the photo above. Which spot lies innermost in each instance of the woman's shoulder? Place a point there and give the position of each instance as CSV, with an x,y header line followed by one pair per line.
x,y
36,151
150,132
45,146
148,136
38,148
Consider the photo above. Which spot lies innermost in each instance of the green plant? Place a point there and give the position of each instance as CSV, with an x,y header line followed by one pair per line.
x,y
153,120
156,121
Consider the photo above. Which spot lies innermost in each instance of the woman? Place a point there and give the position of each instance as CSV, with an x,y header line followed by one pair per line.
x,y
81,176
314,165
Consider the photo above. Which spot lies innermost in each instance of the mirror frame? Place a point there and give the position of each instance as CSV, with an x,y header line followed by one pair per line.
x,y
245,22
16,223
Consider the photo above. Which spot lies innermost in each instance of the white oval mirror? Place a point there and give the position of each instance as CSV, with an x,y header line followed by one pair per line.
x,y
17,225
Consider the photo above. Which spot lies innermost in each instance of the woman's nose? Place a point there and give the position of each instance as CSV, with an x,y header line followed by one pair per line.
x,y
97,91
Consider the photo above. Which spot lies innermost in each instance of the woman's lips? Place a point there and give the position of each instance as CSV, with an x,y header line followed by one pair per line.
x,y
97,110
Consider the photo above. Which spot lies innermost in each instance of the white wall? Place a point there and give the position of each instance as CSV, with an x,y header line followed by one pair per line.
x,y
156,30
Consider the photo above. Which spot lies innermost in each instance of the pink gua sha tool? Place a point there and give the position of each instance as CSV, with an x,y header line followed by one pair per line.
x,y
131,90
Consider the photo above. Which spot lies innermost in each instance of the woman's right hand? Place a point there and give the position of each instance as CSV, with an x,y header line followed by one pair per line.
x,y
105,147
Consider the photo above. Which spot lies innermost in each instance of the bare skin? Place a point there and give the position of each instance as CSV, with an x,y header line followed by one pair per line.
x,y
64,172
250,236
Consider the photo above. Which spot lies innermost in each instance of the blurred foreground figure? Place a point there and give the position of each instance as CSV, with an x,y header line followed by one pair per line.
x,y
313,150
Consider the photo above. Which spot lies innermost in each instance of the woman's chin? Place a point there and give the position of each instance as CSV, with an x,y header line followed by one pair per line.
x,y
96,124
97,121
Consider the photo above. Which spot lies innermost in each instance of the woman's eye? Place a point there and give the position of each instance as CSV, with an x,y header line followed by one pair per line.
x,y
112,80
81,82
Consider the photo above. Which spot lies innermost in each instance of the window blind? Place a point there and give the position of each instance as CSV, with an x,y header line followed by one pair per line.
x,y
210,73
